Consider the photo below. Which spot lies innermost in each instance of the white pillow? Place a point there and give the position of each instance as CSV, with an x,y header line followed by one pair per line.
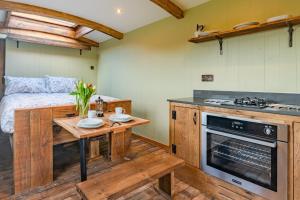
x,y
60,84
24,85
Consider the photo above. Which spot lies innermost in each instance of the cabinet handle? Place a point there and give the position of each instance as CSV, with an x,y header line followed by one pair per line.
x,y
195,118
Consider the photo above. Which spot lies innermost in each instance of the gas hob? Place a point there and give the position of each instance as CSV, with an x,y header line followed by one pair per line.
x,y
253,103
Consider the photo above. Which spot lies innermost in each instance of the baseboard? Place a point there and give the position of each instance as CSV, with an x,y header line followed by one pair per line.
x,y
150,141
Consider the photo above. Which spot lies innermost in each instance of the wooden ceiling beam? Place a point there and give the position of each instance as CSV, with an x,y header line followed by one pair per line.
x,y
82,30
36,10
89,42
43,38
29,24
170,7
7,18
44,19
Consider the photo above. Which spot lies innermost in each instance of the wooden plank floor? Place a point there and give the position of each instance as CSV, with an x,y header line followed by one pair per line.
x,y
66,165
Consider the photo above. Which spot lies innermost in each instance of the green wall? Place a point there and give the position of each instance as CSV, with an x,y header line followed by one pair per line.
x,y
156,62
35,60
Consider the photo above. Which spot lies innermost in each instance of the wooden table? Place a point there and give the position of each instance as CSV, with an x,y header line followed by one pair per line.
x,y
70,124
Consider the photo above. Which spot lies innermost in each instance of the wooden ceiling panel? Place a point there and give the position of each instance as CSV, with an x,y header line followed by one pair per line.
x,y
43,38
36,10
28,24
82,30
170,7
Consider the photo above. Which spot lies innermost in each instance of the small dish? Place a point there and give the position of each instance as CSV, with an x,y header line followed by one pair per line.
x,y
244,25
278,18
90,123
120,118
205,33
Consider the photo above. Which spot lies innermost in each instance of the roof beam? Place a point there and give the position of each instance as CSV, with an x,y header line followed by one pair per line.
x,y
33,25
7,18
82,30
44,19
170,7
36,10
43,38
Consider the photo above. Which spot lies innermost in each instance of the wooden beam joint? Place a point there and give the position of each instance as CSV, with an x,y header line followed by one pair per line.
x,y
82,30
170,7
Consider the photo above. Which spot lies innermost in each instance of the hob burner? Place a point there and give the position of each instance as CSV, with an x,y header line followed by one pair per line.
x,y
251,102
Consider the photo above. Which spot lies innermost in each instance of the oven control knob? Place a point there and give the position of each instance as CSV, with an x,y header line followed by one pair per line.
x,y
268,131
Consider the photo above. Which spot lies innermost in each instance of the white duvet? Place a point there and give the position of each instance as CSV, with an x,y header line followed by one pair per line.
x,y
11,102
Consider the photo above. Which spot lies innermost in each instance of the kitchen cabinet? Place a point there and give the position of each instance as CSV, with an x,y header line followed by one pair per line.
x,y
296,160
185,133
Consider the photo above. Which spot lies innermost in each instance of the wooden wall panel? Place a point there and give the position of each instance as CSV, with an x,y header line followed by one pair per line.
x,y
21,153
41,147
33,154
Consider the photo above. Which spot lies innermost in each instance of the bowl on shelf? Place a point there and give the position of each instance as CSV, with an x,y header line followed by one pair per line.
x,y
278,18
245,25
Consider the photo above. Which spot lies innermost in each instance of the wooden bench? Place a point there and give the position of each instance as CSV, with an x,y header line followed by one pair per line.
x,y
131,175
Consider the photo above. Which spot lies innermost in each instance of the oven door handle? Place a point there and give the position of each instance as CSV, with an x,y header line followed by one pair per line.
x,y
268,144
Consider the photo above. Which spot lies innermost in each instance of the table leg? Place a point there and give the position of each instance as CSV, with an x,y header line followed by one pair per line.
x,y
166,185
83,170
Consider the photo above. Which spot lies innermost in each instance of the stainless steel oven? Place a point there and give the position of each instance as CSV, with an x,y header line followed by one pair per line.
x,y
248,153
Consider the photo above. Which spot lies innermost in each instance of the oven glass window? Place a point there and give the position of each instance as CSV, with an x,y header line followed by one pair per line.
x,y
252,162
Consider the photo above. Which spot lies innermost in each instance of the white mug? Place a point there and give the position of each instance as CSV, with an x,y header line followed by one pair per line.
x,y
119,110
92,114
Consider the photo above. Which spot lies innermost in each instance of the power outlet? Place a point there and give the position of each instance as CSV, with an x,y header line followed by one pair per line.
x,y
207,78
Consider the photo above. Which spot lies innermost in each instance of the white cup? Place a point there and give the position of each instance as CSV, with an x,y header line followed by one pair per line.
x,y
92,114
119,110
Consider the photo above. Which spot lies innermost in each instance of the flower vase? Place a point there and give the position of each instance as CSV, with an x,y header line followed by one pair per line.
x,y
83,109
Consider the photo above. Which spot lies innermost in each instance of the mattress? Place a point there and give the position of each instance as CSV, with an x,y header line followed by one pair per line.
x,y
10,103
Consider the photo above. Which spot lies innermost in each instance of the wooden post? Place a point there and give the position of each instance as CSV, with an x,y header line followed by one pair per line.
x,y
166,185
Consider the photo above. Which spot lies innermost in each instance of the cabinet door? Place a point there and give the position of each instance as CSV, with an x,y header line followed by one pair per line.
x,y
296,160
187,135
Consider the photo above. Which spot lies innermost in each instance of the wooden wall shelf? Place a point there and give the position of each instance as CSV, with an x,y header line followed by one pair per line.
x,y
290,22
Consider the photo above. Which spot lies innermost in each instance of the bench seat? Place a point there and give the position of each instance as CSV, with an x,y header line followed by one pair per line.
x,y
131,175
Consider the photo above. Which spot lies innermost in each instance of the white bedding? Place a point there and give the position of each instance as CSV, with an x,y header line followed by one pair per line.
x,y
11,102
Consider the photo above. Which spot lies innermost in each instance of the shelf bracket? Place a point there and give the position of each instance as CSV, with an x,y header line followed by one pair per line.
x,y
80,51
291,32
221,45
18,44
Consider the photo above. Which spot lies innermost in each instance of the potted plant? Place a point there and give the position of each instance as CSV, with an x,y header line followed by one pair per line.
x,y
83,93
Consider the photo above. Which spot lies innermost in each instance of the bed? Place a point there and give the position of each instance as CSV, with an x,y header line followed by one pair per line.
x,y
27,111
34,136
10,103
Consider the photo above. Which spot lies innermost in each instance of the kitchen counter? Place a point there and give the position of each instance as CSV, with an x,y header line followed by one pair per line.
x,y
200,102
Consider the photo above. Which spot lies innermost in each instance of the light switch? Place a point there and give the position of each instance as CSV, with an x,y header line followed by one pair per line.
x,y
207,78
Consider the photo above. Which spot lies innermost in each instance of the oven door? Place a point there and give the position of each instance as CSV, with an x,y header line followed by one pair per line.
x,y
248,163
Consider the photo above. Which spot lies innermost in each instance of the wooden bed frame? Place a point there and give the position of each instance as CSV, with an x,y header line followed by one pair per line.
x,y
34,138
